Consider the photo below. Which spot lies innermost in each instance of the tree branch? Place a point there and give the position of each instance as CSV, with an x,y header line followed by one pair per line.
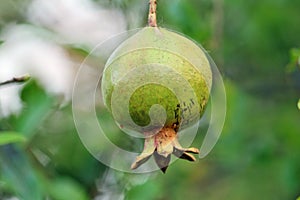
x,y
20,79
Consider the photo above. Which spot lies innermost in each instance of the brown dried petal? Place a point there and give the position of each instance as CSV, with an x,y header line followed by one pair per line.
x,y
161,161
149,148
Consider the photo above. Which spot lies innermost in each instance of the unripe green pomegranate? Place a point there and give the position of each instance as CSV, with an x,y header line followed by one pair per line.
x,y
157,66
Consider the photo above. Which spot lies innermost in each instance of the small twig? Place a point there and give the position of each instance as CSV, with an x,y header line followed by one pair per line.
x,y
152,13
20,79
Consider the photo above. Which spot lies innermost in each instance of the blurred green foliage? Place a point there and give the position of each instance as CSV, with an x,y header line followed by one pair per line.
x,y
294,60
255,45
11,137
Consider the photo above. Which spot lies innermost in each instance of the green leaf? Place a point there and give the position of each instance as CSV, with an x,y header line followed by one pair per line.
x,y
298,104
77,49
37,105
65,189
11,137
19,177
294,59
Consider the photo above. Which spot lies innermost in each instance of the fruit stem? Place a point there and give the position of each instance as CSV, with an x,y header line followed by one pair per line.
x,y
152,13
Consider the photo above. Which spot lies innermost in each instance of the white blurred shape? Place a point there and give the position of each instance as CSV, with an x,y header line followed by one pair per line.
x,y
25,52
77,21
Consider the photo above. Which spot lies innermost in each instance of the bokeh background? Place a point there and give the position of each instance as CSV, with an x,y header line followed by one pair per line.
x,y
254,44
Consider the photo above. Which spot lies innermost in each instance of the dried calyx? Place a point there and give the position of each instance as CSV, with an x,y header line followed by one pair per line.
x,y
161,146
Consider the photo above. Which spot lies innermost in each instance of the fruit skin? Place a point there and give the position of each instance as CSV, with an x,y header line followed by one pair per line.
x,y
154,45
157,66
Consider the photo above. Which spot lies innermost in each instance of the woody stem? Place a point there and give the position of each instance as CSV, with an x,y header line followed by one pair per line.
x,y
21,79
